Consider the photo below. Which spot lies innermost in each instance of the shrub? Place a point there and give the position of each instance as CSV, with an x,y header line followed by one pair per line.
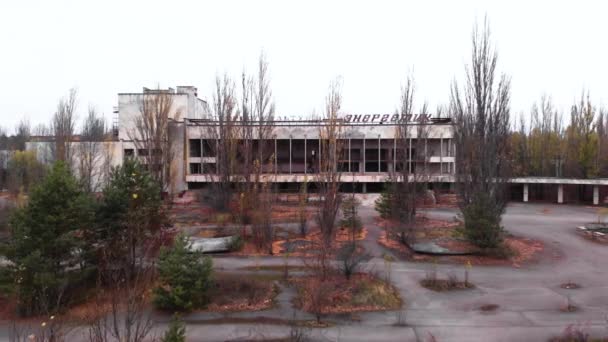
x,y
184,279
6,209
482,222
502,251
350,258
176,332
236,243
351,220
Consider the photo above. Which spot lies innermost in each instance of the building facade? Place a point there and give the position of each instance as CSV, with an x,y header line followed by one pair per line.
x,y
369,150
368,144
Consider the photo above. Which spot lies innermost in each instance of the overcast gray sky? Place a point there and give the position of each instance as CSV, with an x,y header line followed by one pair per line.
x,y
106,47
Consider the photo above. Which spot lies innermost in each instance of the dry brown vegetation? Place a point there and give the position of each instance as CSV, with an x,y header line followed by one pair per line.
x,y
516,250
234,292
362,292
488,307
426,228
449,284
230,293
188,212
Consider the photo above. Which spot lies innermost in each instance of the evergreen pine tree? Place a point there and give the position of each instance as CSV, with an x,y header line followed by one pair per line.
x,y
129,215
46,247
176,332
383,204
184,277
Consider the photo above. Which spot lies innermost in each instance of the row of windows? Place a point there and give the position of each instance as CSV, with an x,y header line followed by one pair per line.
x,y
141,152
207,148
445,168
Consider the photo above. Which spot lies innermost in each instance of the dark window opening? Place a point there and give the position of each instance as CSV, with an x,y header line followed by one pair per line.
x,y
209,168
371,166
195,168
209,149
195,148
343,167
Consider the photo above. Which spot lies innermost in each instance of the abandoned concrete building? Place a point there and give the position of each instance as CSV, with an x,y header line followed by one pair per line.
x,y
368,141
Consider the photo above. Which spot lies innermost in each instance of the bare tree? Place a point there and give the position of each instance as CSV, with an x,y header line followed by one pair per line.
x,y
50,328
223,133
262,228
107,155
257,132
245,164
122,308
319,294
405,179
263,114
582,139
152,134
602,132
4,157
63,127
41,130
303,207
520,148
328,179
481,113
91,151
22,135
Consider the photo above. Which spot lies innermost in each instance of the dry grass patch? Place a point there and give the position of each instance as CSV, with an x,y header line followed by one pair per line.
x,y
309,245
440,285
361,293
235,292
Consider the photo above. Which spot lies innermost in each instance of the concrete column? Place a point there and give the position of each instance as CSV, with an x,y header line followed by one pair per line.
x,y
454,155
305,157
217,155
319,155
275,156
290,154
426,155
525,192
560,193
395,153
202,156
596,195
441,154
349,151
363,155
409,162
364,186
379,150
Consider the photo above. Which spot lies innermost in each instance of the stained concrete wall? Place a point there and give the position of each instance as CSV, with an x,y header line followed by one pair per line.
x,y
185,104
